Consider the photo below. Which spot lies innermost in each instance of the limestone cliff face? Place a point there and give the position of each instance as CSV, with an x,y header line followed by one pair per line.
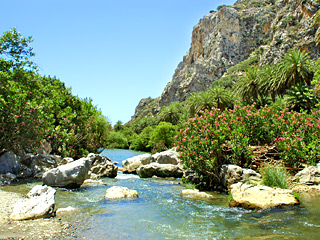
x,y
228,36
220,40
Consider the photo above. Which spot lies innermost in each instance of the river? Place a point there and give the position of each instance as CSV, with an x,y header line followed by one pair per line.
x,y
161,213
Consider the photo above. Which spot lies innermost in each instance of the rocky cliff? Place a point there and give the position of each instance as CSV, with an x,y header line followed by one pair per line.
x,y
225,37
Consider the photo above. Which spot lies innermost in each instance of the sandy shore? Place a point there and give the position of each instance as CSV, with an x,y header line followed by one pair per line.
x,y
53,228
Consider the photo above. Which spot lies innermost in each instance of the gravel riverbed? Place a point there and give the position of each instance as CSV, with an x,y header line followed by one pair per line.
x,y
52,228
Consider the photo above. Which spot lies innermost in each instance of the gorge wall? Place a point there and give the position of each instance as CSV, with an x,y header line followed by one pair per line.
x,y
225,37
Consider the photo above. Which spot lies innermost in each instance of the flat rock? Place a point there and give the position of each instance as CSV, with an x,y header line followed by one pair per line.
x,y
91,182
67,210
160,170
40,203
117,192
249,196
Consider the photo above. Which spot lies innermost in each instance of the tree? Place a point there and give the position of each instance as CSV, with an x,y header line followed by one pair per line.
x,y
163,135
248,87
172,113
15,51
293,69
118,126
221,97
199,101
267,80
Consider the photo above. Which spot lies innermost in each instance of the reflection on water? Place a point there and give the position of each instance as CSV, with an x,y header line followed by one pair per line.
x,y
160,213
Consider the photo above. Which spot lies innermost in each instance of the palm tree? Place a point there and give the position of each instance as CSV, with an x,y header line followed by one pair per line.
x,y
221,97
248,87
267,80
172,113
293,69
199,101
118,126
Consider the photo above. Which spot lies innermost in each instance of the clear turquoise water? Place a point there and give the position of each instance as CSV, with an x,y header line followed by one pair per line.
x,y
160,213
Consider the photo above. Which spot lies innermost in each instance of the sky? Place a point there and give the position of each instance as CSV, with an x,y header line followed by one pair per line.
x,y
115,52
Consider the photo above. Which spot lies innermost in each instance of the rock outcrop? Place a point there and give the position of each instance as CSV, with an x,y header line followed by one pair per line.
x,y
120,193
167,157
102,166
230,174
70,175
309,176
160,170
40,203
249,196
130,165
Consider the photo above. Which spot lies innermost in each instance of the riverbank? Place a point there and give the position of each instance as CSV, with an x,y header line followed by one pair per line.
x,y
52,228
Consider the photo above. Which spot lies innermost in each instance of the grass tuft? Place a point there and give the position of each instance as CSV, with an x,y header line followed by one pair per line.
x,y
273,176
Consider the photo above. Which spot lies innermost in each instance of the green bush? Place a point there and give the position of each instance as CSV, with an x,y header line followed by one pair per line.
x,y
162,136
117,140
141,141
274,176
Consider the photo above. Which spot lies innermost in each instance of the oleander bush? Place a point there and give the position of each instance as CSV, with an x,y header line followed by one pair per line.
x,y
218,137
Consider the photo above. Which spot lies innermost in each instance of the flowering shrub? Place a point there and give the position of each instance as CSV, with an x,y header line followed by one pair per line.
x,y
214,137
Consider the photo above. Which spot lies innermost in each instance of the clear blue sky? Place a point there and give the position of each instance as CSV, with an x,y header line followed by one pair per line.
x,y
115,52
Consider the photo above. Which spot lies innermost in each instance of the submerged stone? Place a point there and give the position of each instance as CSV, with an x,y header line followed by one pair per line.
x,y
117,192
196,194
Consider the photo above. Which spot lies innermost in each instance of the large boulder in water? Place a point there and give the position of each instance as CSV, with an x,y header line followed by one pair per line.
x,y
309,175
160,170
9,163
120,192
70,175
249,196
40,203
102,166
167,157
131,165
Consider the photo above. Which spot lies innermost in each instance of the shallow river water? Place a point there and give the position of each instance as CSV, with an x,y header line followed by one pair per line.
x,y
161,213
